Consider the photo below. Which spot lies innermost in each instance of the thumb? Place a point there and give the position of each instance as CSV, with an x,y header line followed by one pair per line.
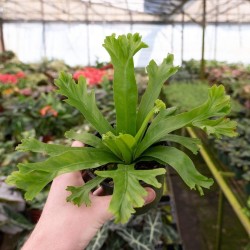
x,y
151,195
101,206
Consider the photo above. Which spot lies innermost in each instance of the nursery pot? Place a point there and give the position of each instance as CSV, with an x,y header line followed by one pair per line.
x,y
34,215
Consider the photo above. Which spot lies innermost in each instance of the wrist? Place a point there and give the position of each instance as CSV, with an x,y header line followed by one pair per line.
x,y
55,238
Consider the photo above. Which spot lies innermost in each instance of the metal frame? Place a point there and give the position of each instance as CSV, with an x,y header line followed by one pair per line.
x,y
225,191
73,10
2,46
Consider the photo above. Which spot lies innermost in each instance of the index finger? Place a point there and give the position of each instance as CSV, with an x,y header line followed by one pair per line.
x,y
72,178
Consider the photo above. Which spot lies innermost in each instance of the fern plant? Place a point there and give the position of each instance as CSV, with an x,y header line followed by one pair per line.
x,y
134,138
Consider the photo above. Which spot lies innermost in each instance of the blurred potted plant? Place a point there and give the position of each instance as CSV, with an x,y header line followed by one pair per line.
x,y
123,154
12,221
153,230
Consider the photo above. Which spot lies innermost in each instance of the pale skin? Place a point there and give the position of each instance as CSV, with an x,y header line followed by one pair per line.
x,y
64,226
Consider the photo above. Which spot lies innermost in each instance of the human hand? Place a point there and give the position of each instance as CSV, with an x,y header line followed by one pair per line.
x,y
65,226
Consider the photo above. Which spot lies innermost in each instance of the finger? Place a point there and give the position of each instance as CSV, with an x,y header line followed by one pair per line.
x,y
68,179
77,144
102,203
98,191
101,206
73,177
151,195
76,174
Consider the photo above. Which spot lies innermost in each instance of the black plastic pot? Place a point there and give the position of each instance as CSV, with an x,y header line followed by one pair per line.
x,y
34,215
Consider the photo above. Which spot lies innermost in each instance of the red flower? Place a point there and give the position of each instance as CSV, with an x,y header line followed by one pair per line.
x,y
8,78
94,76
11,79
48,110
20,74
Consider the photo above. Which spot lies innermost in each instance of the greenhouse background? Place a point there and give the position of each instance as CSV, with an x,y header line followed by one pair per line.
x,y
85,24
209,40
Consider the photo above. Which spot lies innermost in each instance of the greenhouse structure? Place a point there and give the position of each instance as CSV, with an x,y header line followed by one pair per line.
x,y
125,124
